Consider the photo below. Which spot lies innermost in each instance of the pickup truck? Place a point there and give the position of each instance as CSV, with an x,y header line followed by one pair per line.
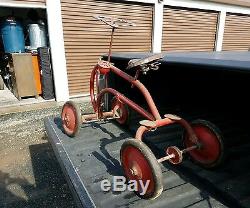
x,y
210,86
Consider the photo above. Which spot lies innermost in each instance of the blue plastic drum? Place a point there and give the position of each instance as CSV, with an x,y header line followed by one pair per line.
x,y
12,36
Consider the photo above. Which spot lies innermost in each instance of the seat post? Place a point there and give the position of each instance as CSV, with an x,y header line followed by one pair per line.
x,y
111,42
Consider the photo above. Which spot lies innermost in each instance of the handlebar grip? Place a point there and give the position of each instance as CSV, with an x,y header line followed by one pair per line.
x,y
114,22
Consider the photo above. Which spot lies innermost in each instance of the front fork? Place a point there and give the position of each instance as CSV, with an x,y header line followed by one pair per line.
x,y
104,67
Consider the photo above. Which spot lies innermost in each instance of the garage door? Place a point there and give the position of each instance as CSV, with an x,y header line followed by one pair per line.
x,y
86,39
189,30
27,1
237,33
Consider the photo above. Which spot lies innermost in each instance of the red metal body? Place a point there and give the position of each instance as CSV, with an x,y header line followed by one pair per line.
x,y
141,65
154,120
201,139
152,115
105,67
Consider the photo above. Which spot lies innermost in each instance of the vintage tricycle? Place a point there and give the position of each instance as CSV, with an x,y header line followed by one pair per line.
x,y
202,140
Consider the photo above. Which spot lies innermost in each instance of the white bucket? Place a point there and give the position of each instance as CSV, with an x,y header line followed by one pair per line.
x,y
37,36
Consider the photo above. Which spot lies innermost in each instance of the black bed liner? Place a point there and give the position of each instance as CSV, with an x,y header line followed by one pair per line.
x,y
229,60
94,155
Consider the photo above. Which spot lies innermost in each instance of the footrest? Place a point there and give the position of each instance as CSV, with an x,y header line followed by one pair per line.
x,y
148,123
172,117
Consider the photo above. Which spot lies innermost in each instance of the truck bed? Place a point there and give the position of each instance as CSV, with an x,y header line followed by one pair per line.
x,y
94,155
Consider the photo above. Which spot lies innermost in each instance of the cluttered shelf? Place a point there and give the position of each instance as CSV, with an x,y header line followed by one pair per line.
x,y
25,55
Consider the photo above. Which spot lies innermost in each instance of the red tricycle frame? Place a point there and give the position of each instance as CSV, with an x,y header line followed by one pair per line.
x,y
201,139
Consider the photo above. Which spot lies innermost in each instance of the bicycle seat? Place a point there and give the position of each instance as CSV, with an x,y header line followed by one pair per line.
x,y
145,61
114,22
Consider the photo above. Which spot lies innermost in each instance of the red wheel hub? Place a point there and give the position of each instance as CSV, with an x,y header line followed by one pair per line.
x,y
210,150
69,118
120,110
177,155
137,168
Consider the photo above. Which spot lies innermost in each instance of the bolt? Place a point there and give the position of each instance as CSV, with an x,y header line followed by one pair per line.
x,y
133,171
67,119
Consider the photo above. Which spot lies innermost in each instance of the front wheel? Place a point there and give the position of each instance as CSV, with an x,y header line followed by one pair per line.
x,y
71,118
120,110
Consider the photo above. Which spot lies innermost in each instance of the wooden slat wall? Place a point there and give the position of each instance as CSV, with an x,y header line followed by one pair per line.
x,y
237,33
28,1
188,30
86,39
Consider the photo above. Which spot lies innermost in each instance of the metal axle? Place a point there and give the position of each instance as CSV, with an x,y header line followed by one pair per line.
x,y
168,157
89,118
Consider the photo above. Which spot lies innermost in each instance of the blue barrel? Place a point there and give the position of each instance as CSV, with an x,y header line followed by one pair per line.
x,y
12,36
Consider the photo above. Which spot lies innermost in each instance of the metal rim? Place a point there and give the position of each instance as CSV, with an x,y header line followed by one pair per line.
x,y
122,109
211,152
139,163
70,118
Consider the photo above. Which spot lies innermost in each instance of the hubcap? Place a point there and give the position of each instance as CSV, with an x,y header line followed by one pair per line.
x,y
120,111
210,146
69,119
136,167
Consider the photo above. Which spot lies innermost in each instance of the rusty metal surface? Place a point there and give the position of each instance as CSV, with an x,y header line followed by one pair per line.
x,y
177,158
152,115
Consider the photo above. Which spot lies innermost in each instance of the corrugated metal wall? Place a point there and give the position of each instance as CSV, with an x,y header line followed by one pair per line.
x,y
245,3
27,1
189,30
86,39
237,33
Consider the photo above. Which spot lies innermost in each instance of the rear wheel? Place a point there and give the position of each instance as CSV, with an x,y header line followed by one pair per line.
x,y
211,152
139,164
71,118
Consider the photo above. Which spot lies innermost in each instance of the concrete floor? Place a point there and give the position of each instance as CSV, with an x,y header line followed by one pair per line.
x,y
9,103
30,175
